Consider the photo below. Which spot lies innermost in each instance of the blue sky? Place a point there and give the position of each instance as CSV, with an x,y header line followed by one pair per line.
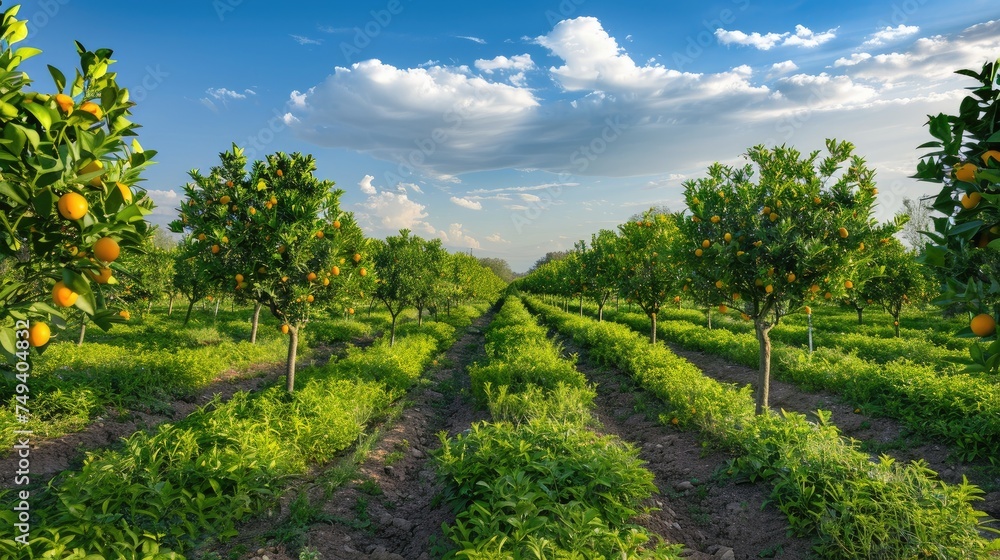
x,y
516,128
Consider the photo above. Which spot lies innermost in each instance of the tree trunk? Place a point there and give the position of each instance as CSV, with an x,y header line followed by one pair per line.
x,y
83,331
708,313
600,312
170,305
255,322
581,304
420,316
188,316
616,303
860,320
895,323
764,379
149,308
392,329
293,345
652,331
216,312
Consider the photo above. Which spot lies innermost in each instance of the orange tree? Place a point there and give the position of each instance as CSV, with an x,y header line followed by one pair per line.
x,y
650,275
870,265
397,260
786,237
67,205
274,234
965,246
602,266
426,280
902,281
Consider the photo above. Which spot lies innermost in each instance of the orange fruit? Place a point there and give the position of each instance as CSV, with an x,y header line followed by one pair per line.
x,y
284,279
39,334
229,183
284,329
326,281
715,219
674,421
861,246
363,272
124,314
106,249
252,210
723,308
736,295
72,206
279,173
357,257
773,217
695,219
719,284
125,191
225,199
828,295
970,200
350,311
216,249
239,277
848,284
817,200
698,252
310,298
64,102
93,167
92,108
311,276
814,288
766,210
62,295
790,277
965,172
769,288
273,201
281,249
103,275
808,310
843,232
319,234
990,154
983,325
706,244
201,237
677,299
335,270
336,224
728,237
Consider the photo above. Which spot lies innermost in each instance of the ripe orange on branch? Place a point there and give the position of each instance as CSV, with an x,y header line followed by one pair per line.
x,y
106,249
970,200
39,334
983,325
62,295
72,206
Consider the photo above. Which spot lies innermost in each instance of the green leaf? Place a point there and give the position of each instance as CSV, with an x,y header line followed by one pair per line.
x,y
44,202
44,115
76,282
57,77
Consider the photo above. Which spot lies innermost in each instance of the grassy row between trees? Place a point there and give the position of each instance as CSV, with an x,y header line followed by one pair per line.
x,y
162,492
960,409
853,507
144,366
536,482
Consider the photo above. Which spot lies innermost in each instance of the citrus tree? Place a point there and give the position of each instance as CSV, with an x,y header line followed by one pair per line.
x,y
68,206
396,260
650,275
965,245
427,276
191,277
603,267
275,235
903,280
869,266
781,230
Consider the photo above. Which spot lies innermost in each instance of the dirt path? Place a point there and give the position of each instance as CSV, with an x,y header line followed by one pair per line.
x,y
878,435
713,519
52,456
392,509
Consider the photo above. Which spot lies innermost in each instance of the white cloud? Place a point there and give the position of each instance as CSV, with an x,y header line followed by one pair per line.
x,y
473,39
756,40
466,203
303,40
805,37
889,33
393,211
455,236
413,187
223,94
530,197
856,58
428,63
366,185
781,68
519,62
496,238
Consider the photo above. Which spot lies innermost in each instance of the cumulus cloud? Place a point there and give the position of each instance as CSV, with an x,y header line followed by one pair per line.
x,y
517,62
455,236
496,238
889,33
803,37
855,58
366,184
466,203
756,40
393,211
781,68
